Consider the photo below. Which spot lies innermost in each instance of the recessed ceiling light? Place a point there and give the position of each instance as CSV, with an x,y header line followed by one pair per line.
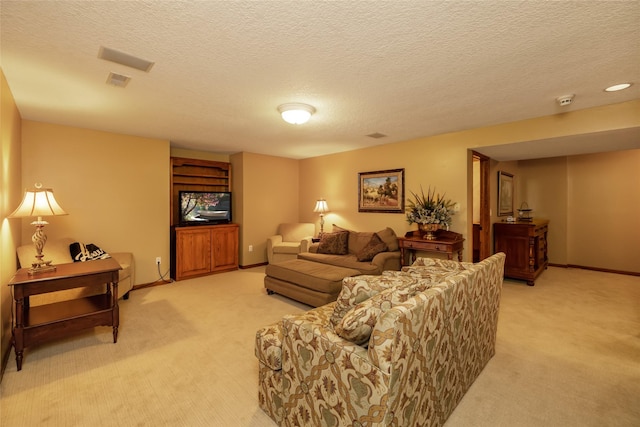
x,y
618,87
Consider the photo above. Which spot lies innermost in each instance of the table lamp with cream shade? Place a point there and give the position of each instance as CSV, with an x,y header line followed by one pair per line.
x,y
321,207
38,202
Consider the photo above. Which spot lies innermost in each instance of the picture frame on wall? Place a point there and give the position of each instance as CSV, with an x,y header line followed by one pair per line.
x,y
381,191
505,194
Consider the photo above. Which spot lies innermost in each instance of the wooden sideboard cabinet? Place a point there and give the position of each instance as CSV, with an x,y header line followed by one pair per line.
x,y
204,249
525,244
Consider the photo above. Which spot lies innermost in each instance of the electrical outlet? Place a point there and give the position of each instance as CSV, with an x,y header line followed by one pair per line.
x,y
250,248
158,260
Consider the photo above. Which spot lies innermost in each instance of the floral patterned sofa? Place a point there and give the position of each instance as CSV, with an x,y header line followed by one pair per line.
x,y
398,349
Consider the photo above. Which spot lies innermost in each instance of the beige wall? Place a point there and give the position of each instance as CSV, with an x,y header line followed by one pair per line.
x,y
114,187
335,177
604,210
266,193
542,184
443,161
10,197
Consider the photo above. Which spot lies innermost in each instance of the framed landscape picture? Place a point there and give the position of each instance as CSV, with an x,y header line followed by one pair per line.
x,y
381,191
505,194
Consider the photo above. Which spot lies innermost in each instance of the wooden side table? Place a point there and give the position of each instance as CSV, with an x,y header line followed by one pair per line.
x,y
446,242
33,325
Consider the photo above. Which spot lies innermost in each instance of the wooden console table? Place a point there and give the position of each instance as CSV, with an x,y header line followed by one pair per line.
x,y
33,325
446,242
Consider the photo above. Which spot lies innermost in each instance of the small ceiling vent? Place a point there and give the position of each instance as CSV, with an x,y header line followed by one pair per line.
x,y
376,135
125,59
118,80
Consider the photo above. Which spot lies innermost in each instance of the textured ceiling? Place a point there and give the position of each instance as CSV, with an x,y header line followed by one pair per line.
x,y
405,69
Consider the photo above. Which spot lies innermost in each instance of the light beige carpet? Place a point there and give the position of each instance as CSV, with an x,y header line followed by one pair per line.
x,y
568,354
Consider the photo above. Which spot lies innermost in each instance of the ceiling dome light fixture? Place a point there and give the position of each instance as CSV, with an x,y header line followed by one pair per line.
x,y
618,87
296,114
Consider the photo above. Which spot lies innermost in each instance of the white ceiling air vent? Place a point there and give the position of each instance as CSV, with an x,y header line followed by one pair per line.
x,y
125,59
118,80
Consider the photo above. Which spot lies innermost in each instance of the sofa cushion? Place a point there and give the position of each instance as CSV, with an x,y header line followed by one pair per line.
x,y
372,248
358,323
334,243
389,237
434,269
344,261
295,232
287,248
312,275
360,288
359,239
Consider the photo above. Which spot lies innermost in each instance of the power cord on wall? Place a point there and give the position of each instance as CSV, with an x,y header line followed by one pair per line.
x,y
162,276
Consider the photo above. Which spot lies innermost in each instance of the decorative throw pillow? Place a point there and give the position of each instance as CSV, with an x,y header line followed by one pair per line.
x,y
357,325
81,252
338,228
389,237
334,243
360,288
371,249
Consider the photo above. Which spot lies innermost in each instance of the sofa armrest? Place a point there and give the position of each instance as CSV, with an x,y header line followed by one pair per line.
x,y
313,356
128,272
268,347
305,244
387,261
123,258
271,242
274,240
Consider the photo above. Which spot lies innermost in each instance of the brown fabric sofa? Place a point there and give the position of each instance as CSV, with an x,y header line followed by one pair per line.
x,y
315,278
357,240
397,349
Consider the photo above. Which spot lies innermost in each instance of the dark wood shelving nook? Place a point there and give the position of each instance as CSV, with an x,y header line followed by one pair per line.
x,y
203,249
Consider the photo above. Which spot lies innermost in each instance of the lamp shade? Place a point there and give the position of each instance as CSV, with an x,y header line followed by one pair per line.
x,y
296,114
38,202
321,206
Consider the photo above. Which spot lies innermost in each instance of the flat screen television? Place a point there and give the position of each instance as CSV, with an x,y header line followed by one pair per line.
x,y
205,207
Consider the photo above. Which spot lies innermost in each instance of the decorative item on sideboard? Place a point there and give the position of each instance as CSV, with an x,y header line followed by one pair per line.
x,y
524,213
431,212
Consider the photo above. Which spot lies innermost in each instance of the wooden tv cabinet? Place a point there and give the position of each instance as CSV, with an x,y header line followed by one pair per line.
x,y
200,250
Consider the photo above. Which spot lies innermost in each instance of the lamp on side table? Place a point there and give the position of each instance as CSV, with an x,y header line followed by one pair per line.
x,y
38,202
321,207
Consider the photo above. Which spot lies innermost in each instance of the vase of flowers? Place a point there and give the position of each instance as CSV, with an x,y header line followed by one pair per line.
x,y
431,212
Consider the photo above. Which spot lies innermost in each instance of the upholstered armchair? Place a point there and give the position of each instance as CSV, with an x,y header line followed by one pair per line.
x,y
292,239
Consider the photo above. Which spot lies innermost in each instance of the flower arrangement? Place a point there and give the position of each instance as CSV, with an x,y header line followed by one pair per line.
x,y
429,209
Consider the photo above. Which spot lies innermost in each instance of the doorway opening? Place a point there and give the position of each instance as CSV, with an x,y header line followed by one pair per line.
x,y
481,207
